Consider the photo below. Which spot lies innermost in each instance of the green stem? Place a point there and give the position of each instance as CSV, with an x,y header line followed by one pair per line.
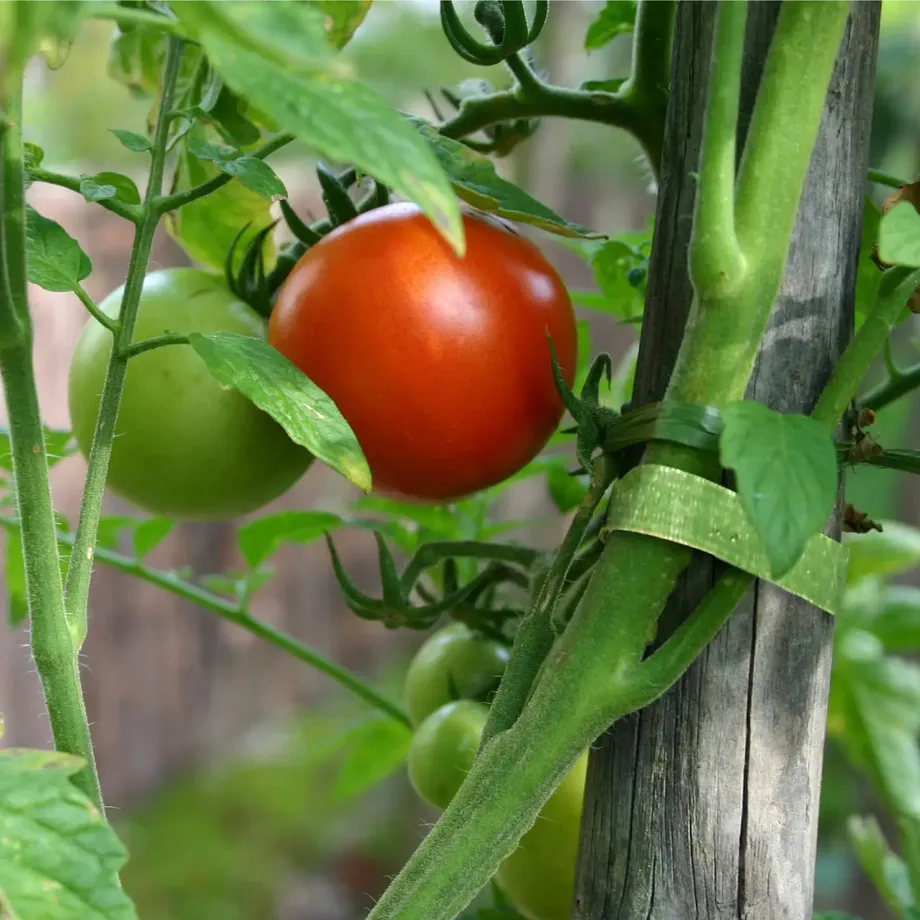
x,y
883,178
233,613
53,648
166,203
159,341
79,569
894,291
131,212
661,670
717,265
892,389
537,630
94,311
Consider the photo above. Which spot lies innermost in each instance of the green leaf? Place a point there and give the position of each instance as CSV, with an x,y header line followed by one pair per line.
x,y
136,57
55,260
315,99
877,700
343,18
899,235
14,576
618,17
565,490
108,533
263,537
786,471
32,155
612,265
475,181
58,446
305,412
59,858
896,620
255,174
106,185
62,23
133,141
150,533
229,116
891,552
377,748
883,866
206,228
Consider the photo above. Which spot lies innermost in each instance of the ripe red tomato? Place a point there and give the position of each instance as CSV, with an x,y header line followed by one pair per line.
x,y
440,365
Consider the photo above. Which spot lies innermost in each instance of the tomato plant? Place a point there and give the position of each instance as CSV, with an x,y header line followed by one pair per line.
x,y
440,364
184,445
453,664
538,878
427,350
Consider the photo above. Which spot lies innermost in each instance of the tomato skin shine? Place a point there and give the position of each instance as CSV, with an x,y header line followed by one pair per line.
x,y
441,365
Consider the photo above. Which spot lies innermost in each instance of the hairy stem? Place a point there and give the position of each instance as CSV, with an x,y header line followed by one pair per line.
x,y
537,631
160,341
53,647
79,569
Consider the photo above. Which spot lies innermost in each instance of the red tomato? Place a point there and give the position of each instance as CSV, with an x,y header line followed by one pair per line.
x,y
441,365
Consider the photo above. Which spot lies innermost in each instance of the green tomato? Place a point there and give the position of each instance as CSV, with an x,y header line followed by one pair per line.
x,y
538,878
185,446
455,663
443,749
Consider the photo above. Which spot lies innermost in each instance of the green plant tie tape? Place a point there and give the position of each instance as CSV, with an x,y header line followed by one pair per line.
x,y
667,503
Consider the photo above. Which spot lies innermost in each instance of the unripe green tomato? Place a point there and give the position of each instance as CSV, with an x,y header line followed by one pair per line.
x,y
538,878
184,445
443,749
454,663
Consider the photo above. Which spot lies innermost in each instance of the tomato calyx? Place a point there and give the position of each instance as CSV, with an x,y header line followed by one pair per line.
x,y
257,287
477,603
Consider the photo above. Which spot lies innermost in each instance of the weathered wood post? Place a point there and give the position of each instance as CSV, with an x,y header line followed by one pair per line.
x,y
705,805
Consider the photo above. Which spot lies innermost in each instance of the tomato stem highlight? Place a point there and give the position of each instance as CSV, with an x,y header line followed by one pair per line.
x,y
53,648
79,568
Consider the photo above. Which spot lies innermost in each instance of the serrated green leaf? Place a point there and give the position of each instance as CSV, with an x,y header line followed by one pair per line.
x,y
110,528
263,537
255,174
891,552
618,17
883,866
343,18
314,97
306,413
206,228
475,181
106,185
374,752
786,471
150,533
55,260
59,858
137,143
